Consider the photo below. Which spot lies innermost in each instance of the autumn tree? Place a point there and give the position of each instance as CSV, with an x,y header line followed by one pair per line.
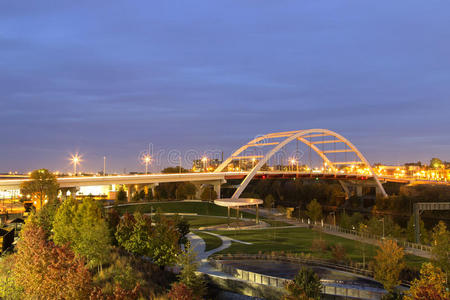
x,y
430,286
42,187
47,271
10,289
388,264
314,211
305,286
441,247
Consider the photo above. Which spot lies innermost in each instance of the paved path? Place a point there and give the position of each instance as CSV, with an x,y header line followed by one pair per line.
x,y
199,246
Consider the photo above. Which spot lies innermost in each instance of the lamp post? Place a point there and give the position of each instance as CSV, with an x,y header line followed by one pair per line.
x,y
104,165
147,161
76,160
205,161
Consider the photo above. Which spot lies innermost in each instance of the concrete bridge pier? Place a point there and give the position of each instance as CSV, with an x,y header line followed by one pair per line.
x,y
72,190
130,191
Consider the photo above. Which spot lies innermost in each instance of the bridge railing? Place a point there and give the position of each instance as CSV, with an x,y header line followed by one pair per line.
x,y
362,235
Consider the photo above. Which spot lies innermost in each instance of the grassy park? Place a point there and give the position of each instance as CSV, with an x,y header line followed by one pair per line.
x,y
299,240
206,211
288,240
212,242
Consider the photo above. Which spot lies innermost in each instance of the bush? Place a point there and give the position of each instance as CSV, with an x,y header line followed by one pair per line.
x,y
338,253
319,245
180,291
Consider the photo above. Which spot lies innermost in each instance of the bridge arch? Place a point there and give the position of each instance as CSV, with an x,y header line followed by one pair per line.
x,y
268,140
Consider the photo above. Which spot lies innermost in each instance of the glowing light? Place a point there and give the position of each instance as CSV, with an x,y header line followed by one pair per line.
x,y
75,159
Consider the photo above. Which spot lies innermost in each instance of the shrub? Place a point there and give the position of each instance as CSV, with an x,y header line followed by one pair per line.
x,y
319,245
338,253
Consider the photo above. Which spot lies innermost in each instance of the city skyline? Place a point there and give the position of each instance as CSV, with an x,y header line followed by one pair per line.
x,y
75,78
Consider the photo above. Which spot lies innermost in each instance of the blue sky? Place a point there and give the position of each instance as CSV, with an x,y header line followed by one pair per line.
x,y
109,77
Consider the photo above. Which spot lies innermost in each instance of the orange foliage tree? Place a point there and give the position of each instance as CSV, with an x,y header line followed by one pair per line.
x,y
430,286
47,271
388,264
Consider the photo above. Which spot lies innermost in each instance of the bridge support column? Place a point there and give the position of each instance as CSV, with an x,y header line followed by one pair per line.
x,y
73,192
64,193
217,187
130,188
417,222
359,190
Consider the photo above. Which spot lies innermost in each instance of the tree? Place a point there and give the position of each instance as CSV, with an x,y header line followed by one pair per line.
x,y
306,285
183,229
42,187
208,193
134,233
64,231
47,271
164,247
441,247
388,264
186,190
44,217
269,201
314,210
121,196
9,287
435,162
84,229
411,231
430,285
187,261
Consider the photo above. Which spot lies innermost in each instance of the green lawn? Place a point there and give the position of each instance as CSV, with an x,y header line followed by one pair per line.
x,y
212,242
298,240
203,221
201,208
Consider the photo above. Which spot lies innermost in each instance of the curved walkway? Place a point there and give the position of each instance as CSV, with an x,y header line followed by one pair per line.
x,y
198,245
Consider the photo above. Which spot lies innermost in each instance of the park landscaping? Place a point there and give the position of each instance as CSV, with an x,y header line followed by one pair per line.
x,y
206,212
300,240
211,241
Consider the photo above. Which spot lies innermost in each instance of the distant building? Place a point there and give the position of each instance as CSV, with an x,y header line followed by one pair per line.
x,y
199,165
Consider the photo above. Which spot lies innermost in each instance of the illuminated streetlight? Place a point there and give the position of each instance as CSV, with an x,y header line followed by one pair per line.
x,y
294,162
75,160
205,161
147,159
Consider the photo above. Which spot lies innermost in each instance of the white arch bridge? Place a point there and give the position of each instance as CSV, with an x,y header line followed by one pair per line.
x,y
312,138
266,145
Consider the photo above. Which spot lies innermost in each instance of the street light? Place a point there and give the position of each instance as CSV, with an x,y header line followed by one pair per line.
x,y
75,160
147,159
294,162
204,160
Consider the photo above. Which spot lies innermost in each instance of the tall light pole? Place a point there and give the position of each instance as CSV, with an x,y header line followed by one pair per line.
x,y
204,160
76,160
104,165
293,162
147,160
